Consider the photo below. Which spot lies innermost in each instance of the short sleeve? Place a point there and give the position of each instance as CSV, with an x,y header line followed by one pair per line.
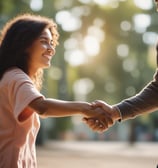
x,y
21,91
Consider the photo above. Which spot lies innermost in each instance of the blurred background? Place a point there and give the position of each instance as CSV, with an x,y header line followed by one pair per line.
x,y
107,51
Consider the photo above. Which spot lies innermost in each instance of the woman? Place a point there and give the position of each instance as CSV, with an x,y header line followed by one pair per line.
x,y
27,45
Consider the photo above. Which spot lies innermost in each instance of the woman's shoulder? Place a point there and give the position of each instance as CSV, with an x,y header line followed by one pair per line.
x,y
14,70
15,74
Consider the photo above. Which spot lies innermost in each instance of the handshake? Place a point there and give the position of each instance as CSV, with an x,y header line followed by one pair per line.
x,y
104,116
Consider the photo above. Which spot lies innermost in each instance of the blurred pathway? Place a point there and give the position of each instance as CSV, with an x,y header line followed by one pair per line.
x,y
97,155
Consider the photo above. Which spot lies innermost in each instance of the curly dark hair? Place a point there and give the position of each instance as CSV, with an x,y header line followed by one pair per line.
x,y
17,36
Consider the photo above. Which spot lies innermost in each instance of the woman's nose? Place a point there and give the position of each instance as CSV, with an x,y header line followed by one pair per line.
x,y
51,49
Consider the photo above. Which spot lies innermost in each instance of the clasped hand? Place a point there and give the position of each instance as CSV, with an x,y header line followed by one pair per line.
x,y
107,115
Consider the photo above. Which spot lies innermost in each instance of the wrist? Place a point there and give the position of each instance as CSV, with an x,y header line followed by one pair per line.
x,y
116,113
85,108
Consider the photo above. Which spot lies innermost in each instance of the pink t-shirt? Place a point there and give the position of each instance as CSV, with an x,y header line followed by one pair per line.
x,y
17,139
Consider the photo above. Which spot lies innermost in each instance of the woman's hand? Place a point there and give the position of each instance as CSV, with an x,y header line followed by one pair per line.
x,y
107,115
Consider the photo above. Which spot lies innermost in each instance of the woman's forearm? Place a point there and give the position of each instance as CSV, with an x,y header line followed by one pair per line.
x,y
59,108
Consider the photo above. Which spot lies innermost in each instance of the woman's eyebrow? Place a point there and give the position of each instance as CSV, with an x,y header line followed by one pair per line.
x,y
46,38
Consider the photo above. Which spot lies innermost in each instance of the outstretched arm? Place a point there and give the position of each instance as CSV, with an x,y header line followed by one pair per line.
x,y
144,102
58,108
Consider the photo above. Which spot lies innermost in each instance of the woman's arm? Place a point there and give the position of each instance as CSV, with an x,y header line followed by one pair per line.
x,y
58,108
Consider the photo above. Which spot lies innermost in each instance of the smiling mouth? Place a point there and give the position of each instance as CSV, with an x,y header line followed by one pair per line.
x,y
48,56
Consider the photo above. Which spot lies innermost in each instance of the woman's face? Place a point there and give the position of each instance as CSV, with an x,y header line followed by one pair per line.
x,y
41,52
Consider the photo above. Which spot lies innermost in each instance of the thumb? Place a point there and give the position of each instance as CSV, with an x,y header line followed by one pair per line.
x,y
103,105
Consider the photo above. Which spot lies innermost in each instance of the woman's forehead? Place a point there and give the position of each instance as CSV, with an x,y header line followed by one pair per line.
x,y
46,33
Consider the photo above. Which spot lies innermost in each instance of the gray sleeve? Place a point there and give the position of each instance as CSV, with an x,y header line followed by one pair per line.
x,y
144,102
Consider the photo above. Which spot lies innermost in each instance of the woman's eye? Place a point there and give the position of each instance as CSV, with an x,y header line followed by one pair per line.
x,y
47,42
44,41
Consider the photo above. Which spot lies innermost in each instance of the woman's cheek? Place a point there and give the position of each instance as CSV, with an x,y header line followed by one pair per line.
x,y
44,46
